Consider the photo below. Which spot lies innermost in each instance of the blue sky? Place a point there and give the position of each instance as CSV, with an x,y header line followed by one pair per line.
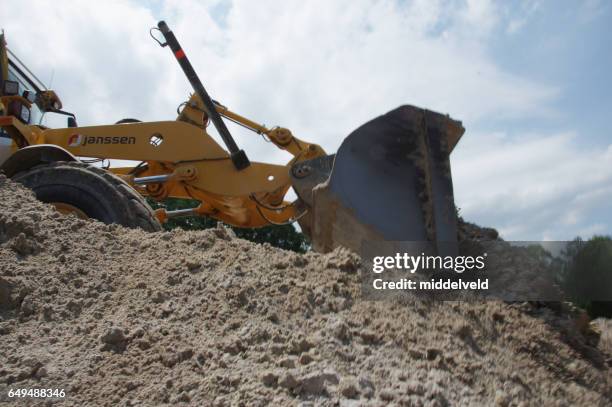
x,y
567,44
530,81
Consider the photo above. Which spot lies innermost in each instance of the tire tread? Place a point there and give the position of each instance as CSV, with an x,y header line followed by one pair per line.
x,y
139,213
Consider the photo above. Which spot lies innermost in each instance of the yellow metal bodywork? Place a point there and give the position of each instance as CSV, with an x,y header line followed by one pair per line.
x,y
3,66
66,209
200,169
3,58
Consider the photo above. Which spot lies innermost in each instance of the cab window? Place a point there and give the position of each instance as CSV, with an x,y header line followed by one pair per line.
x,y
35,113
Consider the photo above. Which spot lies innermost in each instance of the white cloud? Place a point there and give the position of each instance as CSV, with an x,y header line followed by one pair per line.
x,y
482,14
321,68
534,187
519,15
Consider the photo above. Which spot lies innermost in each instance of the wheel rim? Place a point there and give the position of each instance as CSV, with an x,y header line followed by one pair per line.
x,y
66,209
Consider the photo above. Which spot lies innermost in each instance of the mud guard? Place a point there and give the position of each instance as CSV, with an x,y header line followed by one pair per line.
x,y
390,180
31,156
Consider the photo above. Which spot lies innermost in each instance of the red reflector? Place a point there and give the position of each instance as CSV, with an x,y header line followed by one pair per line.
x,y
179,54
6,120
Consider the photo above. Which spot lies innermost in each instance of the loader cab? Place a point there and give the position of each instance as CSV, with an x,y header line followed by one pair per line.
x,y
16,84
24,96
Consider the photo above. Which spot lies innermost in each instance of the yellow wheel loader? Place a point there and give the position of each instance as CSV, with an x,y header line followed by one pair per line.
x,y
390,179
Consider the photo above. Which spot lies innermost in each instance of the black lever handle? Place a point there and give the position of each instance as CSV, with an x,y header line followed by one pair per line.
x,y
238,156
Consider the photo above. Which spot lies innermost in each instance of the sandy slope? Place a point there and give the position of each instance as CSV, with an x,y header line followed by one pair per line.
x,y
121,317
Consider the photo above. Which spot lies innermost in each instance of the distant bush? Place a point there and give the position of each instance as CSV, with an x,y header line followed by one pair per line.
x,y
285,237
586,274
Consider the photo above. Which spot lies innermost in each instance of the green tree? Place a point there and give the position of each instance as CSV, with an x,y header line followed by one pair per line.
x,y
586,274
284,237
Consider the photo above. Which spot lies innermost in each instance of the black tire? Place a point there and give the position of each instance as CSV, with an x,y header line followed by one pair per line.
x,y
98,193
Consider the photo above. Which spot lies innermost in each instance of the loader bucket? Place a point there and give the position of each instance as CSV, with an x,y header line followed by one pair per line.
x,y
390,180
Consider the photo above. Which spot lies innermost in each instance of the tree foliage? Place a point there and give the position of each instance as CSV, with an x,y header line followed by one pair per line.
x,y
586,274
284,237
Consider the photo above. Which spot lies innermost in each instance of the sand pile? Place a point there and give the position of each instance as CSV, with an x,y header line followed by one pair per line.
x,y
121,317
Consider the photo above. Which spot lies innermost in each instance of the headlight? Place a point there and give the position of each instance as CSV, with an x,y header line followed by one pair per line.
x,y
25,114
10,88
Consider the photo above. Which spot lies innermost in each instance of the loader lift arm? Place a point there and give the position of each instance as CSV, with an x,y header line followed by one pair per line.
x,y
281,137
